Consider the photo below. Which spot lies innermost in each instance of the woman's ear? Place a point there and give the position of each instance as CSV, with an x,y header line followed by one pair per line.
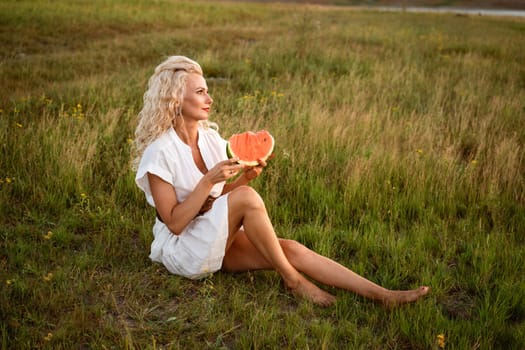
x,y
175,107
178,108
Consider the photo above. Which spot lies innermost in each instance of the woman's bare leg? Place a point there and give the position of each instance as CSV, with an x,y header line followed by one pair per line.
x,y
246,208
244,256
331,273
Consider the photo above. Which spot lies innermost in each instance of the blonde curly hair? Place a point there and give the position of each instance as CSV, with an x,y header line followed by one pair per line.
x,y
163,101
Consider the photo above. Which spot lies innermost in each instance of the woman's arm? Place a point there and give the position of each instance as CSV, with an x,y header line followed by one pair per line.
x,y
177,215
174,214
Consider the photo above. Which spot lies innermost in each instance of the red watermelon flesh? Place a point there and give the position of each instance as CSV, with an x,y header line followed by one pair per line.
x,y
250,146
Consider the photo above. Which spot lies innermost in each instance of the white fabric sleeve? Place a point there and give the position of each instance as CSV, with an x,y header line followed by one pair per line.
x,y
153,161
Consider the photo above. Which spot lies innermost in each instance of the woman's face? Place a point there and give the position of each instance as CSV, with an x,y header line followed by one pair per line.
x,y
196,103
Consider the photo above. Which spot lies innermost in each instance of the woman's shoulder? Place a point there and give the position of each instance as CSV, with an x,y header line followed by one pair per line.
x,y
160,143
210,131
210,134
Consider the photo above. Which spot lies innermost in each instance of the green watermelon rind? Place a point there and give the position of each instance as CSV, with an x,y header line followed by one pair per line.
x,y
231,154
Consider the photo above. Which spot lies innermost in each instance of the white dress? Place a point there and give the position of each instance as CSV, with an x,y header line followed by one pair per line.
x,y
199,250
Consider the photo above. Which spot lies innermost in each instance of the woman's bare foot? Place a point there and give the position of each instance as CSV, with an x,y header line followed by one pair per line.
x,y
307,290
398,297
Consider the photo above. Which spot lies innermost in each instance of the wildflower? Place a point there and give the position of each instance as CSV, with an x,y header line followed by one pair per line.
x,y
8,180
474,162
9,282
48,277
129,140
77,112
48,337
84,201
441,340
19,125
419,150
48,235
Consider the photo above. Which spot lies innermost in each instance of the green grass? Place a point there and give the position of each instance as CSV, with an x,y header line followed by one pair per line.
x,y
400,153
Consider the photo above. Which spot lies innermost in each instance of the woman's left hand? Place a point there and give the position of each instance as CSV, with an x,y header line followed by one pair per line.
x,y
252,172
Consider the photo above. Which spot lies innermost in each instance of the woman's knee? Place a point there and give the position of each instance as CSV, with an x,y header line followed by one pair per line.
x,y
293,250
245,197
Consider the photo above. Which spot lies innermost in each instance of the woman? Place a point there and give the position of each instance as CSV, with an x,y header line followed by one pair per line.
x,y
208,218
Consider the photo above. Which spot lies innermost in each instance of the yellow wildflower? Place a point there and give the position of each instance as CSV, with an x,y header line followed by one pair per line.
x,y
77,112
474,162
419,150
441,340
129,140
48,277
19,125
8,180
48,337
48,235
9,282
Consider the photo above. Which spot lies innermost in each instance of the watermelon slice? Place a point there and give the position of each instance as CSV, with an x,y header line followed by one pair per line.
x,y
250,146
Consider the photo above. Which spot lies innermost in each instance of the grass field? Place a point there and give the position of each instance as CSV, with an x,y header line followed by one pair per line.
x,y
400,153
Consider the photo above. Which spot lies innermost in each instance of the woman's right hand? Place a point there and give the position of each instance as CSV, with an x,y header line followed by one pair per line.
x,y
223,171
